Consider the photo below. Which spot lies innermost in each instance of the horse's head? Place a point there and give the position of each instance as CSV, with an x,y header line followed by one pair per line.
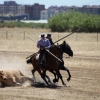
x,y
66,48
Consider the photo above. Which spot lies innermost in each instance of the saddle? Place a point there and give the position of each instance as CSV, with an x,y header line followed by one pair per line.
x,y
43,59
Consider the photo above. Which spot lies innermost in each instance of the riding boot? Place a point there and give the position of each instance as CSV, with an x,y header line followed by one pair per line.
x,y
41,66
40,60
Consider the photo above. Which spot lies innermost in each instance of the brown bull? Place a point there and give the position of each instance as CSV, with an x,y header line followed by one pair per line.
x,y
12,78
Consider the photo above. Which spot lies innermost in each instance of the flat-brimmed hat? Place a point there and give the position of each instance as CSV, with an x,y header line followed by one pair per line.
x,y
42,35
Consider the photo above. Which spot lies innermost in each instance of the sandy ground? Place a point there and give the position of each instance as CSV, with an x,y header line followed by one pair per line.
x,y
84,66
84,84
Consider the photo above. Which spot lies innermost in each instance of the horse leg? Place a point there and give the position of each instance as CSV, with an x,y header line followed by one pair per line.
x,y
33,71
54,80
41,74
43,77
59,76
64,68
44,73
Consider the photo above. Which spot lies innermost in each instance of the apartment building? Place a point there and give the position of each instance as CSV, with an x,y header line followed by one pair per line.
x,y
11,8
95,9
20,10
37,11
52,10
34,11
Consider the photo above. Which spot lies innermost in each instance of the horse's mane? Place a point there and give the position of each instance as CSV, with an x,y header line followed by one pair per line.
x,y
58,49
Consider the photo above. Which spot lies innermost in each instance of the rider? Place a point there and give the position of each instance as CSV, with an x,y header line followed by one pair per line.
x,y
50,39
43,44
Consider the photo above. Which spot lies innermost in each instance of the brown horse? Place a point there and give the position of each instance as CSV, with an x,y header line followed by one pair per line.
x,y
52,64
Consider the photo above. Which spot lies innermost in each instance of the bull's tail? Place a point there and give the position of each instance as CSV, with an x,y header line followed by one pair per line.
x,y
21,73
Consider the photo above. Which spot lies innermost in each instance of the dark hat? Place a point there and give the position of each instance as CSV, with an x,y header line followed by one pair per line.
x,y
42,35
49,35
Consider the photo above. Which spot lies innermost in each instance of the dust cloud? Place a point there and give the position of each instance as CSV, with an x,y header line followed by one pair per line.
x,y
14,63
17,63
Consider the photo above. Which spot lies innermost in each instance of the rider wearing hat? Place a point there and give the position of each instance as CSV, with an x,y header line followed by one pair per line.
x,y
43,44
50,39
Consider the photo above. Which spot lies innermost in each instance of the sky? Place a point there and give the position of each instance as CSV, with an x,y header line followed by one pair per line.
x,y
48,3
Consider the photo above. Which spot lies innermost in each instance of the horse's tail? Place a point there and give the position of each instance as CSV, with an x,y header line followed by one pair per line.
x,y
29,61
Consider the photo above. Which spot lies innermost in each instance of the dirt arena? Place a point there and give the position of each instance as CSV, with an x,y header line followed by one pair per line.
x,y
84,66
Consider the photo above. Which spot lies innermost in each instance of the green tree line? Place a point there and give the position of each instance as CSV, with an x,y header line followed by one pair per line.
x,y
67,21
72,21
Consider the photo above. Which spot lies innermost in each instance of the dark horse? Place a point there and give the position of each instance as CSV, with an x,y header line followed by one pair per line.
x,y
64,48
52,64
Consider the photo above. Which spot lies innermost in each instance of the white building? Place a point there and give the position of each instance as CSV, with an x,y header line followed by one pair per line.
x,y
44,15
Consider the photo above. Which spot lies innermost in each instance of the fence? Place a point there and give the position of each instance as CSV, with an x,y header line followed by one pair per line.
x,y
24,35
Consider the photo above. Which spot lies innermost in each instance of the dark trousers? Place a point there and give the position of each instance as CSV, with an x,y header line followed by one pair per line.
x,y
42,52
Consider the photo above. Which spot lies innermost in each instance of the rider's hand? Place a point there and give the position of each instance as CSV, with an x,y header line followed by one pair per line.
x,y
42,47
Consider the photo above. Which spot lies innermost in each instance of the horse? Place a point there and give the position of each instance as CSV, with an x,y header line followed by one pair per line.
x,y
64,47
48,65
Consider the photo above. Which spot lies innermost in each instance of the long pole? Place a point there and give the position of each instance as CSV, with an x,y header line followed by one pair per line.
x,y
47,50
66,36
97,36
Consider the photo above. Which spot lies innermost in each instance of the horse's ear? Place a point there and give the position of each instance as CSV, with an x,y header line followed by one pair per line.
x,y
64,42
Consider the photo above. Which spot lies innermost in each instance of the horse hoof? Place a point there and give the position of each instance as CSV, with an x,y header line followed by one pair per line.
x,y
54,80
68,79
64,84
